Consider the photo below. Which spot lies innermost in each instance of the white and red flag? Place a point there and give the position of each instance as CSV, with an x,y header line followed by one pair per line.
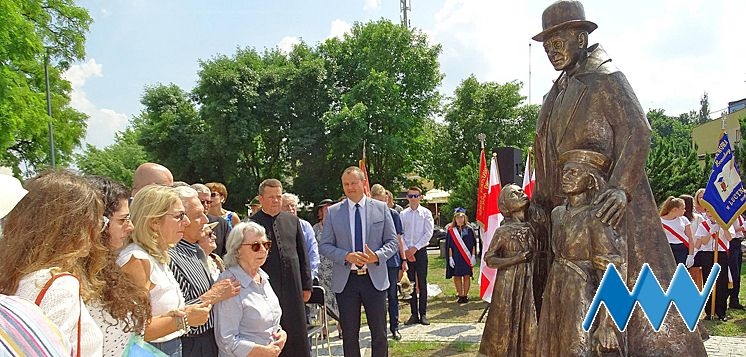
x,y
366,184
494,218
529,176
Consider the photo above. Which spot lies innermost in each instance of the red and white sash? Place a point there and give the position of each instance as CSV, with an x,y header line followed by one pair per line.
x,y
715,236
460,245
676,234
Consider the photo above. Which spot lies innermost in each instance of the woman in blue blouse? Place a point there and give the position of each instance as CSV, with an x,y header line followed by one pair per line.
x,y
255,331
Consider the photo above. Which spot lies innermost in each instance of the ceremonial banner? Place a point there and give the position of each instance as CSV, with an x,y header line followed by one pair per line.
x,y
366,185
724,195
482,192
529,176
494,218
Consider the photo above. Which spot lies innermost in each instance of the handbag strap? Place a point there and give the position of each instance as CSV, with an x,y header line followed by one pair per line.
x,y
43,292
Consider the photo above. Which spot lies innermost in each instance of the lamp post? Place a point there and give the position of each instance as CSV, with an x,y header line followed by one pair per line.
x,y
49,108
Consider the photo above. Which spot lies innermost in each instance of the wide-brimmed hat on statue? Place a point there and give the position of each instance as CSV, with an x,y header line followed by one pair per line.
x,y
561,15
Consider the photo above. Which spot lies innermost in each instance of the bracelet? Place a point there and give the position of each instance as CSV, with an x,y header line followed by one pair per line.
x,y
182,323
185,321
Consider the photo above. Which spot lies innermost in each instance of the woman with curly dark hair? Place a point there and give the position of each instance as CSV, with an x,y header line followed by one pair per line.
x,y
51,254
124,307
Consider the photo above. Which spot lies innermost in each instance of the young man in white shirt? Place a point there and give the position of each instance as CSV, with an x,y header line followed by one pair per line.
x,y
418,228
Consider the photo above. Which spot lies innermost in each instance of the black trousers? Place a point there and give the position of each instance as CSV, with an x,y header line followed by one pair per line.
x,y
706,261
735,260
199,345
418,272
358,292
392,296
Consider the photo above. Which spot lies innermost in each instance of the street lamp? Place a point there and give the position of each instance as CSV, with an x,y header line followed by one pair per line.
x,y
49,108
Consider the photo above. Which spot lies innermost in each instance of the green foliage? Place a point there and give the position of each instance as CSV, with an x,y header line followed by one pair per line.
x,y
490,108
464,192
673,170
384,88
30,31
117,161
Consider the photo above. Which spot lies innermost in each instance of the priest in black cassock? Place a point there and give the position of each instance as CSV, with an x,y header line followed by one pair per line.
x,y
287,266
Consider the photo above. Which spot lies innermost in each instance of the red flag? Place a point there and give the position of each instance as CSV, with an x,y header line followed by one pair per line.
x,y
366,184
494,218
483,191
529,176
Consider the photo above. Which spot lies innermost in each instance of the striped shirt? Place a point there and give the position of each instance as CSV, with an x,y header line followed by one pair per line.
x,y
189,267
25,331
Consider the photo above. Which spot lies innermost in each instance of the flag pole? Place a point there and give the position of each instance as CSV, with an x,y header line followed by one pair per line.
x,y
715,260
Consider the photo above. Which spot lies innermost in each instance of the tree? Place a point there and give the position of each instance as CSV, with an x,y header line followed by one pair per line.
x,y
672,166
384,87
117,161
490,108
31,32
169,130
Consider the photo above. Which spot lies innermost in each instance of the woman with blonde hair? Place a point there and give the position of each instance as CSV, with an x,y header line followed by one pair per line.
x,y
218,195
461,248
159,220
51,254
678,230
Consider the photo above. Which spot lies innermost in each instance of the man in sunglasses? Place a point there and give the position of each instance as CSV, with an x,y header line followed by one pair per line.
x,y
418,228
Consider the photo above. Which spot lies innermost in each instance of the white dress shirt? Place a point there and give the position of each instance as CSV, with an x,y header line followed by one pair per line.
x,y
418,227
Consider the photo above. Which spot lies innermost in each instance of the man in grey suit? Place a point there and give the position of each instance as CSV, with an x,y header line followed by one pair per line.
x,y
359,238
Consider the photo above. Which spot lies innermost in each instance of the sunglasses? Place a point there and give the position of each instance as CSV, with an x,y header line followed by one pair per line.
x,y
179,216
214,194
416,195
255,246
206,202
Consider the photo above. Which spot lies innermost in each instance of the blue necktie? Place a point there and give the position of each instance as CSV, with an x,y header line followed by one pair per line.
x,y
358,229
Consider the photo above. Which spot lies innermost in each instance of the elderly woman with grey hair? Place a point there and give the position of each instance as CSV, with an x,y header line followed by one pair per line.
x,y
255,331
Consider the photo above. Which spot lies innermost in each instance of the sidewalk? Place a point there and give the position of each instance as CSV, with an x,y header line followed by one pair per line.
x,y
717,346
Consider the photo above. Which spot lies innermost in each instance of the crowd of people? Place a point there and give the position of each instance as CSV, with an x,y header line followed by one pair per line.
x,y
95,269
99,269
699,242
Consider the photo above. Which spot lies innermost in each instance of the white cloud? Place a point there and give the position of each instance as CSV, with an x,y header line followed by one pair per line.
x,y
370,5
339,28
102,123
286,44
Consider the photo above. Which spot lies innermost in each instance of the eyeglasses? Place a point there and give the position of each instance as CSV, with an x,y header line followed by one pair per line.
x,y
214,194
416,195
122,221
255,246
206,202
179,216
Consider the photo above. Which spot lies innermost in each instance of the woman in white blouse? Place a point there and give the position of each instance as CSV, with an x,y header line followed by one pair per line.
x,y
159,220
255,331
51,239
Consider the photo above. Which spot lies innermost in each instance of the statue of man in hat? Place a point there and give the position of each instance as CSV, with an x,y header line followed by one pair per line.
x,y
591,106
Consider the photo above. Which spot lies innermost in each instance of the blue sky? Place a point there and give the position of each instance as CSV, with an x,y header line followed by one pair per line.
x,y
671,51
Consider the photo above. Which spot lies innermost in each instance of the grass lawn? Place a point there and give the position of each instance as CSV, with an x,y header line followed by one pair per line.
x,y
443,308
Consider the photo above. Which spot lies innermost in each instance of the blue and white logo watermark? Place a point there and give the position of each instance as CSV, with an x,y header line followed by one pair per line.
x,y
649,294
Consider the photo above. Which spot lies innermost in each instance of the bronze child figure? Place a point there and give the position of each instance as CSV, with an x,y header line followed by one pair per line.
x,y
511,325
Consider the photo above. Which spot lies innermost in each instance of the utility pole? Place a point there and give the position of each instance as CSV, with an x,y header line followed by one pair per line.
x,y
405,5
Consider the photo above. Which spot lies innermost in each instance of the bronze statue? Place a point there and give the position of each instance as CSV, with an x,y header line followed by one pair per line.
x,y
510,329
583,246
592,107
